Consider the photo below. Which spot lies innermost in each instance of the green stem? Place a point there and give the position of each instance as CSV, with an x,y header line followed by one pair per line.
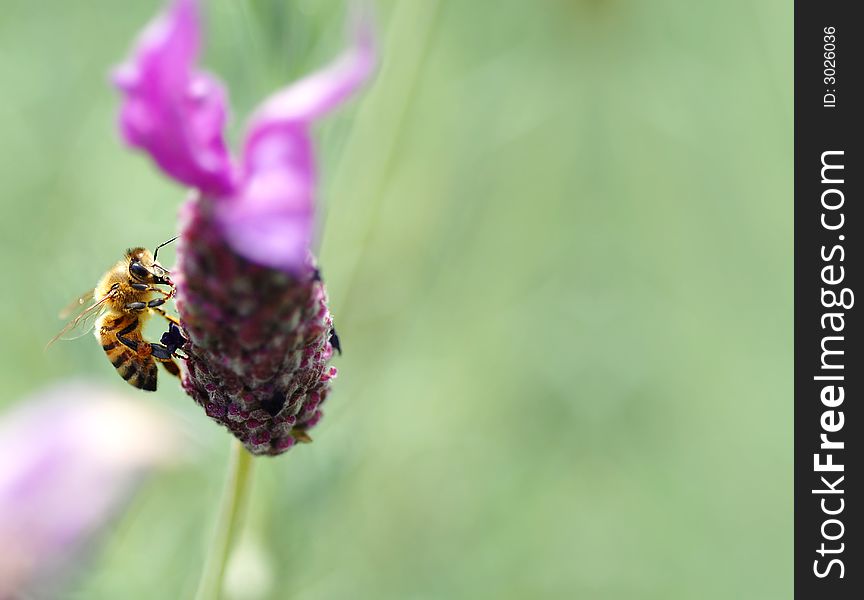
x,y
230,515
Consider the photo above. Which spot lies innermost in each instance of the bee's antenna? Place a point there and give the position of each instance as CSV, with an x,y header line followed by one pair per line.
x,y
156,251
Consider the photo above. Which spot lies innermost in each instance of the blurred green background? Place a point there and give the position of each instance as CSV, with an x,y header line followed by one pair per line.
x,y
557,237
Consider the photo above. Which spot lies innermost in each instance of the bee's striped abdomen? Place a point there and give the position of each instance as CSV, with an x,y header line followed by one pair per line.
x,y
136,367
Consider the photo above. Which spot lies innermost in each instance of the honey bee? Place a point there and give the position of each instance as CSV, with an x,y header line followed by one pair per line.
x,y
122,301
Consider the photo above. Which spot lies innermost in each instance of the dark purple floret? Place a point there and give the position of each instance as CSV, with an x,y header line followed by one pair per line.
x,y
173,339
259,338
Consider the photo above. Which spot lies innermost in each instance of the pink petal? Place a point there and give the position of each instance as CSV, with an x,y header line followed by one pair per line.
x,y
171,110
271,220
315,95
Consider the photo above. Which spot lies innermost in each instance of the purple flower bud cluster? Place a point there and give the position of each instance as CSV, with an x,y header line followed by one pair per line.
x,y
259,338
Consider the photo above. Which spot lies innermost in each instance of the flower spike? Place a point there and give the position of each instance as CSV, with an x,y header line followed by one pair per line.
x,y
249,294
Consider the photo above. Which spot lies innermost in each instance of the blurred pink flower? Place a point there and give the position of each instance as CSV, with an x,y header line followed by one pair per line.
x,y
251,300
69,458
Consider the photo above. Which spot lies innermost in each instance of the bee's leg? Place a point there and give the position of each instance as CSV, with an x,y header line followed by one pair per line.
x,y
143,287
163,355
171,367
160,352
169,318
133,344
154,306
135,306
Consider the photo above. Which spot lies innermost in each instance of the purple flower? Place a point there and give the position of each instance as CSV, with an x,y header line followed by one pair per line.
x,y
69,458
250,297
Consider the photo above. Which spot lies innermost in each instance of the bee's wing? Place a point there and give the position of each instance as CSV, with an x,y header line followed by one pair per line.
x,y
82,323
77,305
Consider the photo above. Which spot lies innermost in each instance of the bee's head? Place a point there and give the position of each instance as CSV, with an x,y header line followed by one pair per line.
x,y
144,268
